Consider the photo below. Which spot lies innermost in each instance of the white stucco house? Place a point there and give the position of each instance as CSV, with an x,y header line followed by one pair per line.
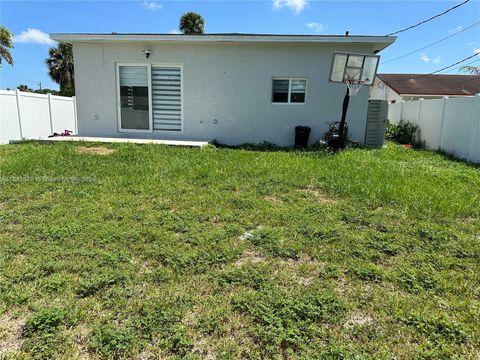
x,y
232,88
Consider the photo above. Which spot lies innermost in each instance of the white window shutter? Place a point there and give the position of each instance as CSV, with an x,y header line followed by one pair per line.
x,y
167,98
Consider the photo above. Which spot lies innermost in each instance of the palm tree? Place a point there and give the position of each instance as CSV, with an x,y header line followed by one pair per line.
x,y
6,43
472,70
191,23
60,68
24,88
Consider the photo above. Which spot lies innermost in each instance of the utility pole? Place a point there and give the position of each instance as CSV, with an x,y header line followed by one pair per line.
x,y
40,85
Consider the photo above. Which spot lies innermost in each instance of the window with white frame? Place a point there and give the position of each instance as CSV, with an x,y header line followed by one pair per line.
x,y
289,90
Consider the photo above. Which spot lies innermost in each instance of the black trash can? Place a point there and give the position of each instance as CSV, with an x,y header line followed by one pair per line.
x,y
302,133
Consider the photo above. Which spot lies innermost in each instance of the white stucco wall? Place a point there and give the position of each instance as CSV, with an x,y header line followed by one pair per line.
x,y
381,91
228,82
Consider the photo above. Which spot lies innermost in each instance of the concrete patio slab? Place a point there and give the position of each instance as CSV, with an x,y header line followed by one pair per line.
x,y
191,143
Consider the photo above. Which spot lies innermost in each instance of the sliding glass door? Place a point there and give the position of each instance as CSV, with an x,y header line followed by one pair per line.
x,y
149,98
167,98
134,96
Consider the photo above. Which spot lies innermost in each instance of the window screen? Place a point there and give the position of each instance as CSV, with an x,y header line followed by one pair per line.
x,y
289,90
280,91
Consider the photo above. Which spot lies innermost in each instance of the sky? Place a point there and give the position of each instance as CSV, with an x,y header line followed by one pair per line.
x,y
32,21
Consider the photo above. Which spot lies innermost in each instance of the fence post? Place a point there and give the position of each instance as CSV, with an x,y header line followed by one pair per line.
x,y
418,134
49,98
442,122
474,126
74,99
17,94
401,110
419,110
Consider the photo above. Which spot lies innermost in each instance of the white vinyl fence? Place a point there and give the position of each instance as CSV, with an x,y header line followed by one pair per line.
x,y
448,124
26,115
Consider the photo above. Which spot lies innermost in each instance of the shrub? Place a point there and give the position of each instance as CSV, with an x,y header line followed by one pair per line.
x,y
403,133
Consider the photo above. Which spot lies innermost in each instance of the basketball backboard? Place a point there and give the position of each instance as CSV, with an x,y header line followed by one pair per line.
x,y
351,66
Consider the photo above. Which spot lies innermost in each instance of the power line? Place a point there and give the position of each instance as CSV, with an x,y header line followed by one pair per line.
x,y
474,77
434,43
437,71
459,67
452,65
429,19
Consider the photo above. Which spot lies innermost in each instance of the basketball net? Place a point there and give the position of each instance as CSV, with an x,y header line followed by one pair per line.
x,y
353,86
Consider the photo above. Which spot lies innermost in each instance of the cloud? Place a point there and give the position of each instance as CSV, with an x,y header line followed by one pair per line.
x,y
455,29
151,5
471,43
33,36
174,31
315,26
425,57
296,5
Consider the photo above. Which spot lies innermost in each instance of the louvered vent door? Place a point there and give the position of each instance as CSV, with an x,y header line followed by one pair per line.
x,y
167,98
376,121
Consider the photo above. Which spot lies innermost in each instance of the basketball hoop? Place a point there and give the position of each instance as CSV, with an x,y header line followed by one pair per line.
x,y
355,70
353,86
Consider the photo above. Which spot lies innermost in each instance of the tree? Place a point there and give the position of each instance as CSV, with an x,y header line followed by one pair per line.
x,y
473,70
46,91
6,43
24,88
192,23
60,68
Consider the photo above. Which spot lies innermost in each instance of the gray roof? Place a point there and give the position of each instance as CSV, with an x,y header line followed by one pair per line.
x,y
437,84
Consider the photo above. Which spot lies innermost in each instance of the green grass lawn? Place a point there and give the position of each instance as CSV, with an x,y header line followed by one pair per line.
x,y
166,252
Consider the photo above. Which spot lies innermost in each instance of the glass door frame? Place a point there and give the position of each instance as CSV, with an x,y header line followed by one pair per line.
x,y
119,99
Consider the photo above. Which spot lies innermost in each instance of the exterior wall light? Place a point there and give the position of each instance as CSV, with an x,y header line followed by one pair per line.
x,y
147,53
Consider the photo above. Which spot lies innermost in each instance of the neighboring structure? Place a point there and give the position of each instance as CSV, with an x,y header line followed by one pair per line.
x,y
407,87
234,88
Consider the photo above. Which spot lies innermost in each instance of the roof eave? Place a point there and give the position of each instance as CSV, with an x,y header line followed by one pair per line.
x,y
380,42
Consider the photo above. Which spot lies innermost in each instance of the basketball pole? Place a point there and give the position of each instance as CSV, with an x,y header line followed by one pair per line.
x,y
346,101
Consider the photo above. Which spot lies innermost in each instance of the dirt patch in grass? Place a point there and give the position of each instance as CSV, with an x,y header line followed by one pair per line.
x,y
300,260
10,335
342,285
250,257
94,150
274,200
319,197
358,319
291,272
305,281
80,339
201,347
